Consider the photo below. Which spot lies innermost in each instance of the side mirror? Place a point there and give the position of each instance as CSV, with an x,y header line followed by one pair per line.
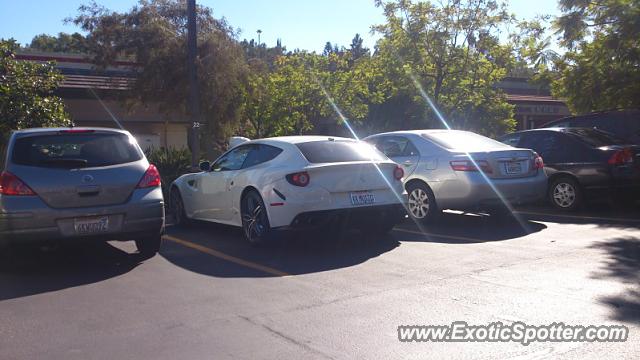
x,y
205,166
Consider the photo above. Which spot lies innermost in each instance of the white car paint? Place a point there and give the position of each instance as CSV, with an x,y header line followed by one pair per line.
x,y
216,195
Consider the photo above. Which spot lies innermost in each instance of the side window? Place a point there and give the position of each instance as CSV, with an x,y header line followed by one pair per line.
x,y
261,153
544,143
511,140
395,146
232,160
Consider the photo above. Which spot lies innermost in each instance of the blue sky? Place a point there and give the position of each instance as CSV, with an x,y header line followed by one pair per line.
x,y
302,24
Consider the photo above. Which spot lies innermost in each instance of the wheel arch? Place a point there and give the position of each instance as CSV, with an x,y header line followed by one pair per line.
x,y
417,181
246,190
562,174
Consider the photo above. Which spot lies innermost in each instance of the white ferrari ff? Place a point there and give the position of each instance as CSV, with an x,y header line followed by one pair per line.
x,y
297,182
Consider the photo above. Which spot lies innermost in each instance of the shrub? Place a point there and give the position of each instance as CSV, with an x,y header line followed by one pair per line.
x,y
172,163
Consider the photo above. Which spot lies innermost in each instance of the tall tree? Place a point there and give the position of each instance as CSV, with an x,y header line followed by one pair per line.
x,y
64,43
601,70
357,50
154,34
447,54
26,93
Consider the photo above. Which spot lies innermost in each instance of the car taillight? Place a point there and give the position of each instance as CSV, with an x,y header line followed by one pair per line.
x,y
538,163
398,173
150,178
468,165
299,179
622,157
12,185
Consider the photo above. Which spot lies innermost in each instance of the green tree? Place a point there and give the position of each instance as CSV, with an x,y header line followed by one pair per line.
x,y
357,50
64,43
26,93
601,69
451,51
154,34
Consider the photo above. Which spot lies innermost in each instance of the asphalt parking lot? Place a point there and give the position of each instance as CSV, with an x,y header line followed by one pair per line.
x,y
209,295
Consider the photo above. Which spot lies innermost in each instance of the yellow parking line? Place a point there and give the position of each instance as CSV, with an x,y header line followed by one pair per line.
x,y
438,235
223,256
576,216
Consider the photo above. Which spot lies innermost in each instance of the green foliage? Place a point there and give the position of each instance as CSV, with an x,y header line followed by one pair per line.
x,y
154,34
26,93
601,70
171,163
64,43
450,51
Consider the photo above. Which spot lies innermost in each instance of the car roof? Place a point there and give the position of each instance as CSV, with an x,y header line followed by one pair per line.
x,y
628,112
56,129
556,129
419,132
298,139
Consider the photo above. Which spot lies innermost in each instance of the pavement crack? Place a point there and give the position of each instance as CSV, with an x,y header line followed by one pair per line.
x,y
287,338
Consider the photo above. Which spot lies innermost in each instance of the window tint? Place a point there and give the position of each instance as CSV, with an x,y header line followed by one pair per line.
x,y
232,160
261,153
542,142
596,138
462,140
339,151
511,140
394,146
75,150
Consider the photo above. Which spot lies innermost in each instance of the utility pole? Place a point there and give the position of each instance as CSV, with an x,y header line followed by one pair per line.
x,y
194,95
259,32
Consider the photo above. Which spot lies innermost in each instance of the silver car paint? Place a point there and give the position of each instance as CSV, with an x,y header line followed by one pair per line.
x,y
459,190
50,214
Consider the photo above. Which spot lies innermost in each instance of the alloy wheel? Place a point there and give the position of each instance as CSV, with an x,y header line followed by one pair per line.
x,y
254,219
419,203
564,194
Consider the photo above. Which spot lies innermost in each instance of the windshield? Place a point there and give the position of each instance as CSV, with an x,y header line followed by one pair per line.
x,y
75,150
339,151
463,140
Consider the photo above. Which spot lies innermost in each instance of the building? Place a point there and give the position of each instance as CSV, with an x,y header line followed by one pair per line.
x,y
534,106
91,98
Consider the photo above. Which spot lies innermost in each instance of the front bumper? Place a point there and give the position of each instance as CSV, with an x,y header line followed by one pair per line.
x,y
29,219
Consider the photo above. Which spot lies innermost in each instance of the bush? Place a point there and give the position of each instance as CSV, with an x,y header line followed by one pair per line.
x,y
172,163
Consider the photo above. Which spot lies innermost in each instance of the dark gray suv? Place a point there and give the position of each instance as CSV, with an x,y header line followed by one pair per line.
x,y
85,183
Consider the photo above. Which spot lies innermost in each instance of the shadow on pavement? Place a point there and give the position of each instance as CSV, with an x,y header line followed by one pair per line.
x,y
602,215
30,270
453,227
622,264
293,253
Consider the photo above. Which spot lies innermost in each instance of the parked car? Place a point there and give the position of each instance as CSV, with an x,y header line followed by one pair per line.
x,y
583,163
623,123
300,182
85,183
461,170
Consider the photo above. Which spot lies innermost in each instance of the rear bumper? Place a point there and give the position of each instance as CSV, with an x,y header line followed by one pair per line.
x,y
29,219
472,191
355,216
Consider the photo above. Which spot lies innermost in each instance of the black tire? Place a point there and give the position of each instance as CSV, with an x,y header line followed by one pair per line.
x,y
177,208
255,222
148,246
422,204
565,194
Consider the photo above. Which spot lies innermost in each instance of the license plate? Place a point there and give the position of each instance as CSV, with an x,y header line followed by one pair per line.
x,y
362,198
91,225
513,167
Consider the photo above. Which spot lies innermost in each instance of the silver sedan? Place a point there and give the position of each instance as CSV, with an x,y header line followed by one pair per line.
x,y
461,170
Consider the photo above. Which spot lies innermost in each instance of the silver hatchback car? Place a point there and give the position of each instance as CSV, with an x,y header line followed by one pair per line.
x,y
461,170
83,183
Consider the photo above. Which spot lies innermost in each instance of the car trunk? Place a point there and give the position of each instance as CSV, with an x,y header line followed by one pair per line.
x,y
84,187
352,176
507,163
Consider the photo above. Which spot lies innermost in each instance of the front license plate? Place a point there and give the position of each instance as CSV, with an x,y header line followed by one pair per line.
x,y
362,198
91,225
513,167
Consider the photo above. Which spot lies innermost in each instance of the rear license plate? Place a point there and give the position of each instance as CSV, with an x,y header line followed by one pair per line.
x,y
91,225
513,167
362,198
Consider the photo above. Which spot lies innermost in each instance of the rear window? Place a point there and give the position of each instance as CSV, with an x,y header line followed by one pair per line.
x,y
339,151
463,140
596,138
75,150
